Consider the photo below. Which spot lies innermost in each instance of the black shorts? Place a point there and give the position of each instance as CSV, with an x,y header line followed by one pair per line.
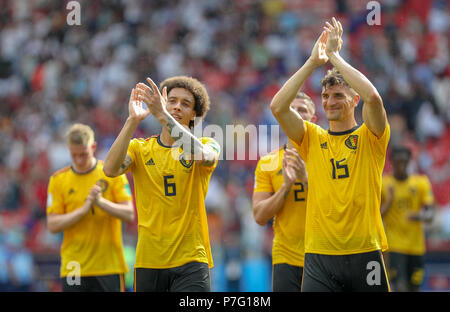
x,y
286,277
191,277
356,272
100,283
407,269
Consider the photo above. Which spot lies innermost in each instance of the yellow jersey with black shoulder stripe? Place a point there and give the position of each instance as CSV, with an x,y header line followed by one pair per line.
x,y
289,223
345,172
404,235
95,242
170,197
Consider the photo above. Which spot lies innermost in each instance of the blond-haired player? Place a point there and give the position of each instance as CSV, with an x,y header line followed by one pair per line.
x,y
89,207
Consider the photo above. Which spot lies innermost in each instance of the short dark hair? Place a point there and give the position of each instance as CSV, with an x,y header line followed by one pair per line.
x,y
400,150
333,78
198,90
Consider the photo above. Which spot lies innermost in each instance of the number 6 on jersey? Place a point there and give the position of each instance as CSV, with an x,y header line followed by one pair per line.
x,y
169,186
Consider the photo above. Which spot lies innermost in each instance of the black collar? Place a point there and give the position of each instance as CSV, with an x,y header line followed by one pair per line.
x,y
344,132
90,170
158,139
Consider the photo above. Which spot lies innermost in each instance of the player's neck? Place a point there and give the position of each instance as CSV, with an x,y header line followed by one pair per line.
x,y
165,137
342,125
92,164
401,177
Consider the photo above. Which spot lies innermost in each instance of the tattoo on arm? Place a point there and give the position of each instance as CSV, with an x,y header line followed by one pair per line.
x,y
208,163
193,147
126,163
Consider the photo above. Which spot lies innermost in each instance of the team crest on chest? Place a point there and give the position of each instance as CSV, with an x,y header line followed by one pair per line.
x,y
186,163
352,142
103,184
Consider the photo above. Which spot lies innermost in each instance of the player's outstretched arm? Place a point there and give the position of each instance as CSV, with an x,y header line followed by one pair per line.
x,y
117,161
202,153
266,205
374,114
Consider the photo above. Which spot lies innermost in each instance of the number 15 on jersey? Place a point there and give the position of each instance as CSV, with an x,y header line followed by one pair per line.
x,y
339,169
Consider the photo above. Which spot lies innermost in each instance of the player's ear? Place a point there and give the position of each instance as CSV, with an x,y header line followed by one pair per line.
x,y
356,99
314,118
94,146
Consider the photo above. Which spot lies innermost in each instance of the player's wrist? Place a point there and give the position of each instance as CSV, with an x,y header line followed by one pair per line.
x,y
87,206
99,200
133,121
313,63
161,115
303,179
287,185
333,56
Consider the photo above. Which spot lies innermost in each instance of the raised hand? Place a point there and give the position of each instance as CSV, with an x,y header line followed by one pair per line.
x,y
155,101
293,167
318,55
334,36
135,107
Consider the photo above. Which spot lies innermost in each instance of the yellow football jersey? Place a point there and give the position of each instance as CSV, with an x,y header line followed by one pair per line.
x,y
345,172
406,236
170,200
289,223
94,242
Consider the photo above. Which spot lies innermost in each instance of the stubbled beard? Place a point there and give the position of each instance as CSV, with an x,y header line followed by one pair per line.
x,y
333,117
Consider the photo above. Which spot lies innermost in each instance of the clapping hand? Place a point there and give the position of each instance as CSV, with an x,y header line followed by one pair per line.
x,y
293,167
318,55
155,101
136,109
334,37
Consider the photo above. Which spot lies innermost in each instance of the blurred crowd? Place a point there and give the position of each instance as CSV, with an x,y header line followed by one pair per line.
x,y
53,74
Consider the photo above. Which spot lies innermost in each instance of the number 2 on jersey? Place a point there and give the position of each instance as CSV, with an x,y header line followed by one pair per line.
x,y
296,192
